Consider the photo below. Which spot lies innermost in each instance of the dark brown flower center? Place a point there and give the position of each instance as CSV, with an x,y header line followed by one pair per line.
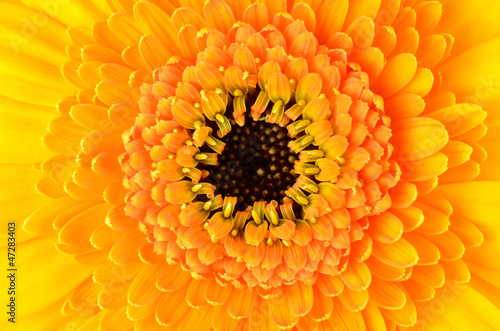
x,y
256,164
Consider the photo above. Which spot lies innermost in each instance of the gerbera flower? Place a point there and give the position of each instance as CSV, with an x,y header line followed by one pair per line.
x,y
241,165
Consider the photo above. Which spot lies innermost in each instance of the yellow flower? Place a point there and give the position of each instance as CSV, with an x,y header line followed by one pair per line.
x,y
240,165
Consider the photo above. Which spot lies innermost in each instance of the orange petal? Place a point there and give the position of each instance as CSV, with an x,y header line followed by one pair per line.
x,y
400,254
356,276
385,228
386,294
428,253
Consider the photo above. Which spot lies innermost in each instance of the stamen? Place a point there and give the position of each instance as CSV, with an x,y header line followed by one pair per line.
x,y
219,118
227,210
302,200
256,217
201,157
207,205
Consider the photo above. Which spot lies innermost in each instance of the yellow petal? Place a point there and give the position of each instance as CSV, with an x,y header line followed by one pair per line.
x,y
331,17
168,313
373,318
425,169
418,138
398,72
385,228
476,24
154,20
143,289
476,82
460,118
57,272
358,8
24,36
469,309
421,84
21,132
18,195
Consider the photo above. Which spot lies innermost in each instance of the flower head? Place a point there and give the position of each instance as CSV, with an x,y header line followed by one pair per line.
x,y
279,163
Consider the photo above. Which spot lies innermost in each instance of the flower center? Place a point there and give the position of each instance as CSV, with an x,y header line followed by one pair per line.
x,y
256,164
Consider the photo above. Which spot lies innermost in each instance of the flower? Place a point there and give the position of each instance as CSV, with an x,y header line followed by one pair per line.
x,y
238,165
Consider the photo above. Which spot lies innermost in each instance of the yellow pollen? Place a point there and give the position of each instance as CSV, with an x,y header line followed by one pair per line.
x,y
196,188
201,157
154,165
274,217
277,105
212,238
173,59
210,141
183,206
205,226
302,124
221,68
312,171
292,81
197,105
245,75
185,170
198,125
311,188
207,205
202,31
219,118
322,96
269,241
257,60
219,91
234,233
336,91
307,140
203,94
227,210
256,217
179,84
302,200
313,220
189,143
